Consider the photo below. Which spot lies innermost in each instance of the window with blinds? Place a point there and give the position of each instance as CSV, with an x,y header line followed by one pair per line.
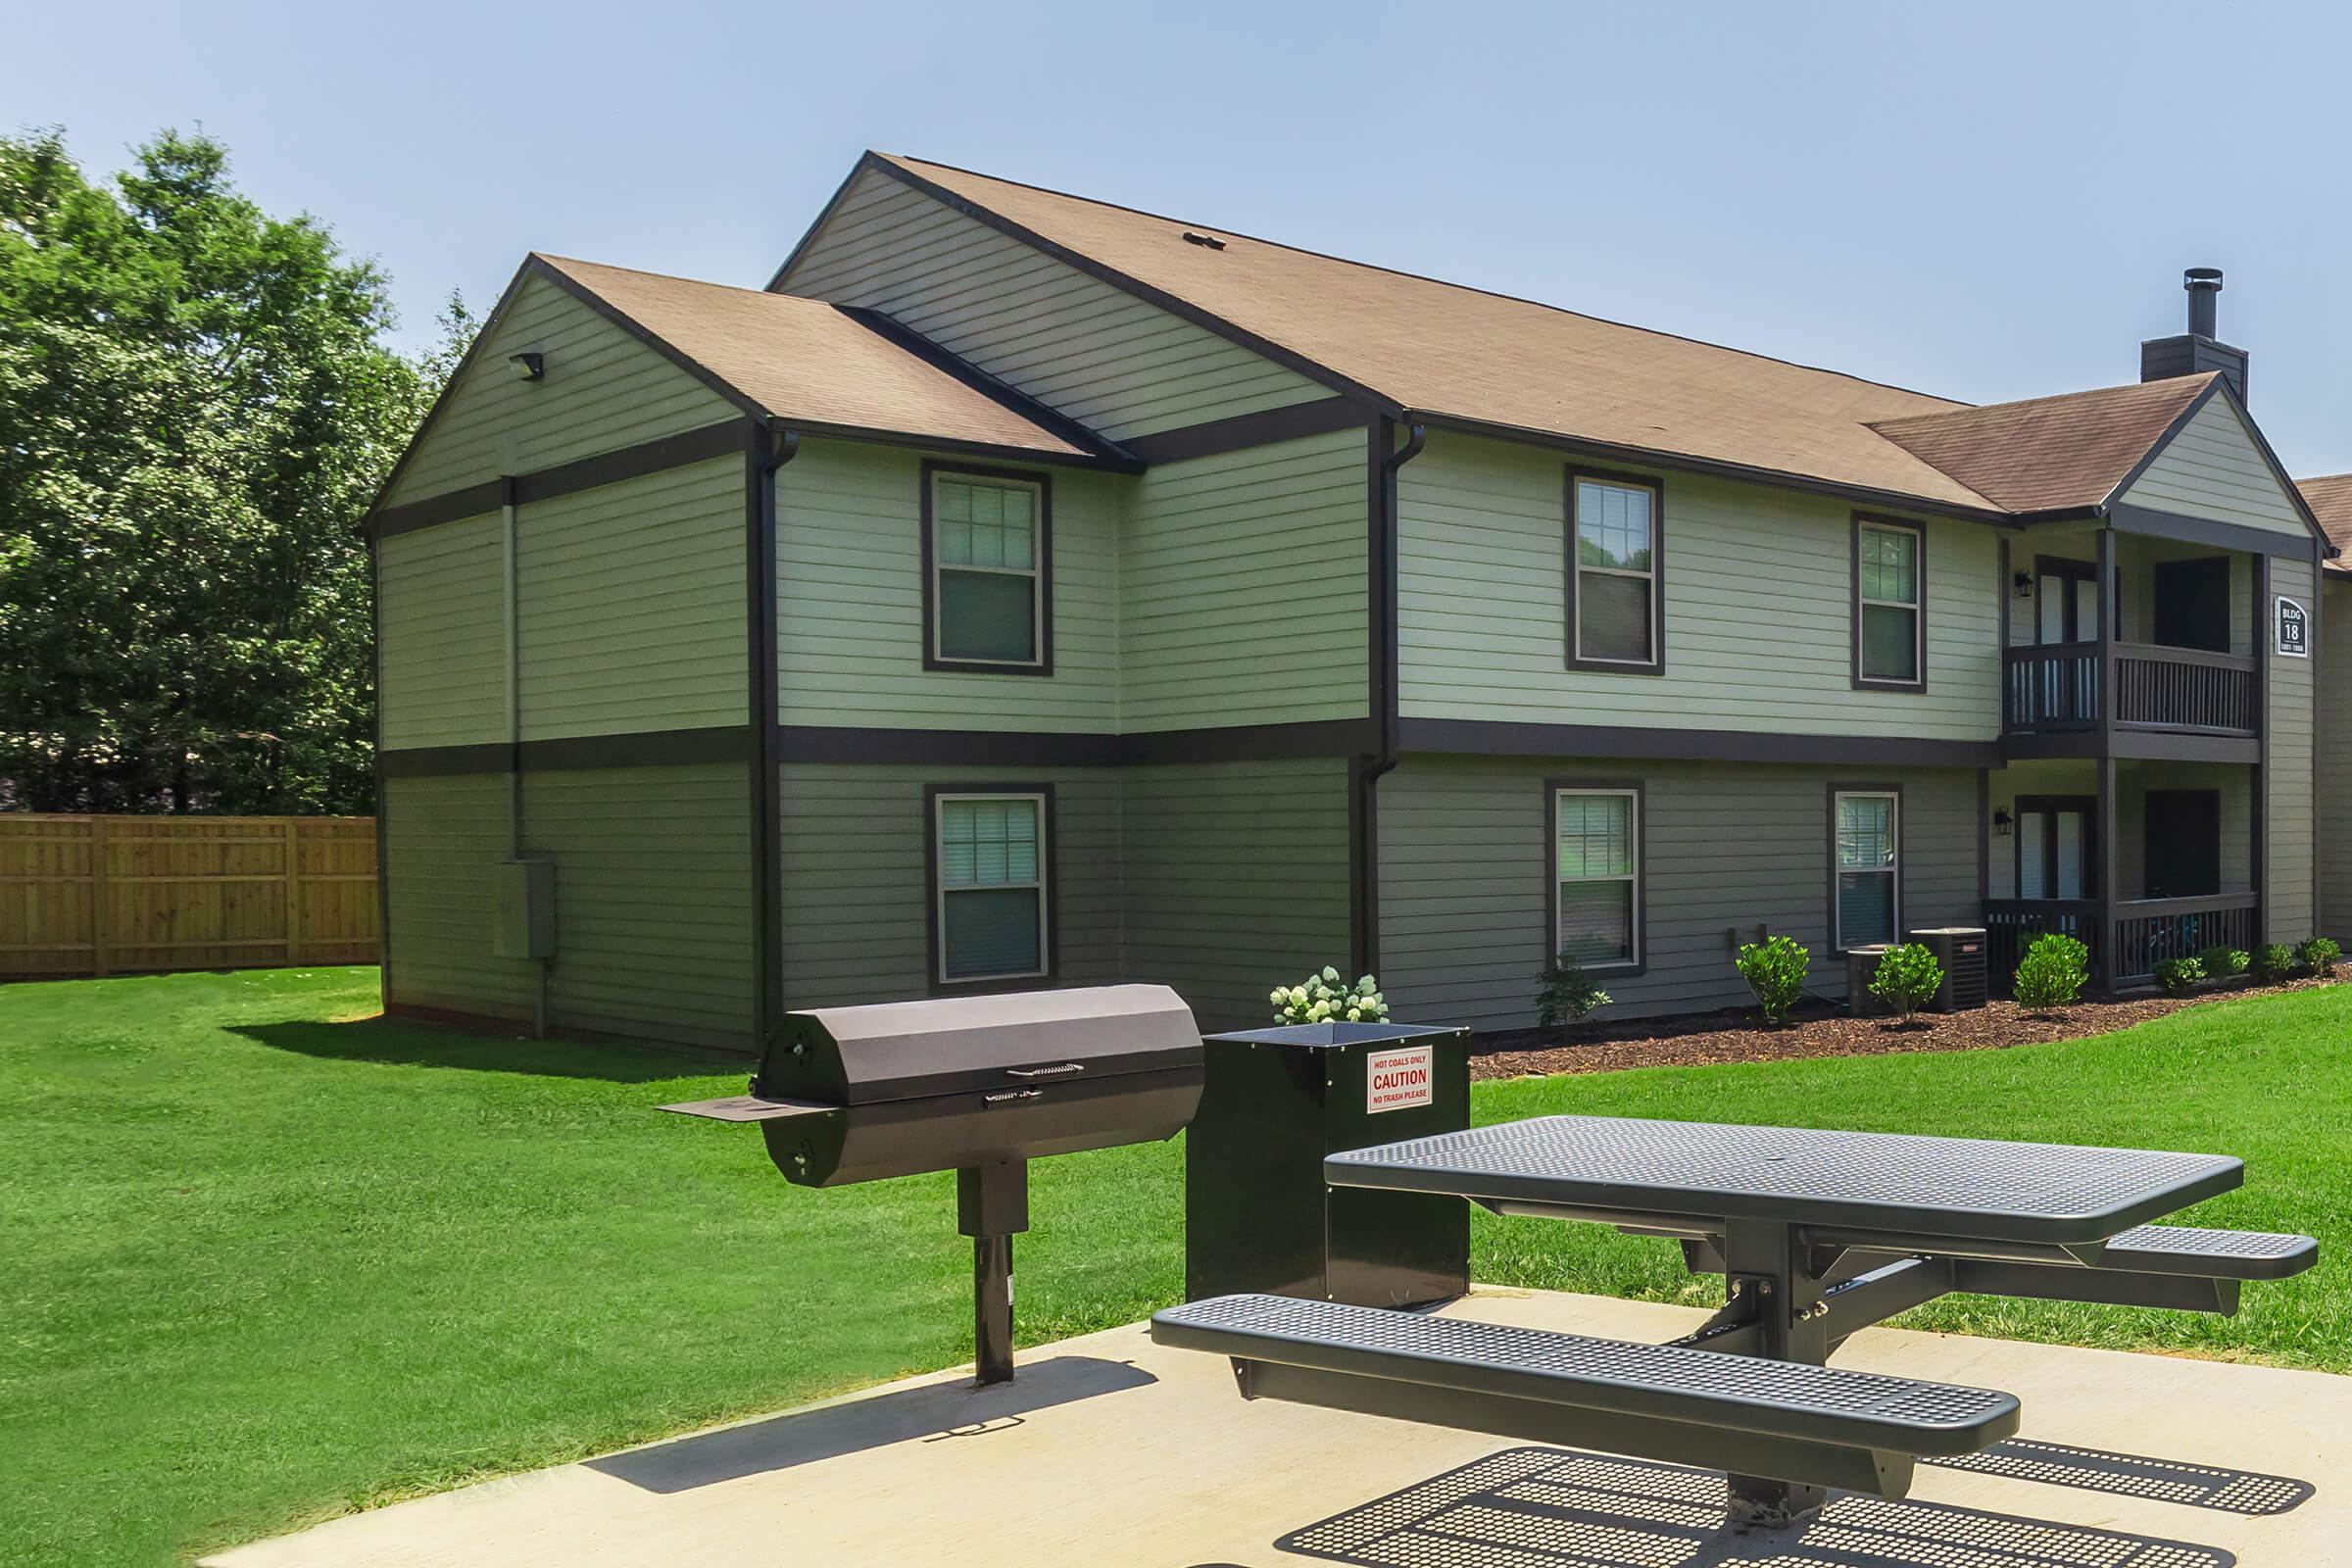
x,y
1596,855
1613,610
988,539
1866,867
1889,567
991,860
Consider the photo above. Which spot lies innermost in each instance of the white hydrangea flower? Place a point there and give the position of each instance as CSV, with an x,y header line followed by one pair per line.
x,y
1329,973
1355,1015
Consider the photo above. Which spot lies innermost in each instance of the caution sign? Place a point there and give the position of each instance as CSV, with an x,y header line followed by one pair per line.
x,y
1396,1080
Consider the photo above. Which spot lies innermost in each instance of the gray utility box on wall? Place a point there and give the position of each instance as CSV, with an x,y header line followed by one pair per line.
x,y
1258,1215
525,904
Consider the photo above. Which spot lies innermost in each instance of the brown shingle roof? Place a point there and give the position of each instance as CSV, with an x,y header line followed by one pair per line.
x,y
2330,497
2050,453
1444,349
810,362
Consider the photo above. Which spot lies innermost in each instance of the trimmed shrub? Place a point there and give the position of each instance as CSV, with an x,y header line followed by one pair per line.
x,y
2222,962
2272,962
1324,999
1774,970
2177,977
1568,994
2052,973
2319,956
1907,978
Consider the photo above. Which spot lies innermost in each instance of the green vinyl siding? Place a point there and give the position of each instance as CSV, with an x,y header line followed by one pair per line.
x,y
605,389
1093,351
2290,911
2334,755
632,605
1236,881
1759,607
849,603
440,620
1241,588
855,899
441,838
1725,847
2213,470
653,899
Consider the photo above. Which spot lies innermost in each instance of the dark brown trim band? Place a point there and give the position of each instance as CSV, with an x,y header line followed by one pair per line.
x,y
1496,738
2131,745
666,748
965,748
1216,438
2154,524
658,456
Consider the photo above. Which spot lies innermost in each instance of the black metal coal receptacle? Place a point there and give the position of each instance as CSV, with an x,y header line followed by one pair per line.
x,y
980,1086
1258,1215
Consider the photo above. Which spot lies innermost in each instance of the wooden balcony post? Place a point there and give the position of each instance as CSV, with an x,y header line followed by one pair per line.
x,y
2106,957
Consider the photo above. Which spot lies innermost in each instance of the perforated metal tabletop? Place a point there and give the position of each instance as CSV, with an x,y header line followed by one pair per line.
x,y
1894,1184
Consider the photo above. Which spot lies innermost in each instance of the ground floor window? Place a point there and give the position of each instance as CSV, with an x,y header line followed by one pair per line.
x,y
989,886
1597,883
1866,870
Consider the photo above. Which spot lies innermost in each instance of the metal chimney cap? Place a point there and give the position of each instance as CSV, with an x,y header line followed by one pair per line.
x,y
2197,277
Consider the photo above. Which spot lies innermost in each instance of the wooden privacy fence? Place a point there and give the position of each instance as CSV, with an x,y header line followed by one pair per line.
x,y
113,895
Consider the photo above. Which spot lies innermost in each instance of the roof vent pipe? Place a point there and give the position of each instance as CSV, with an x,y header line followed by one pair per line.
x,y
2204,285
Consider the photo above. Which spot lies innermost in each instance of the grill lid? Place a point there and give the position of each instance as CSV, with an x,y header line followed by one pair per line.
x,y
909,1049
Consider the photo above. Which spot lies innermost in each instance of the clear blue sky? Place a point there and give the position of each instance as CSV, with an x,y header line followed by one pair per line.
x,y
1986,201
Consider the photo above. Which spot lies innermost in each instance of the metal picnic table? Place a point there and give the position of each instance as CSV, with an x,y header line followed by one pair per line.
x,y
1819,1233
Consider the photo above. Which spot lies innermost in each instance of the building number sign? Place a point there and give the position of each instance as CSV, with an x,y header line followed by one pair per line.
x,y
2291,627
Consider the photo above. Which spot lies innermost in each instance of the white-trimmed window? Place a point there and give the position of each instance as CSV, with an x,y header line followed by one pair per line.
x,y
1597,881
990,857
1890,561
1866,870
989,539
1613,593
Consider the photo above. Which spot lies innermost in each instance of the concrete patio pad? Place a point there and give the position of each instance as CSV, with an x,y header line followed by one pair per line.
x,y
1109,1449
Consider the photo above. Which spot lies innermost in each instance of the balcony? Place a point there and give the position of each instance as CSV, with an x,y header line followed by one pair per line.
x,y
2056,689
2127,938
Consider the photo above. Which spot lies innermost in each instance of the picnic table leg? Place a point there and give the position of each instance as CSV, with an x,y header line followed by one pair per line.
x,y
1767,1259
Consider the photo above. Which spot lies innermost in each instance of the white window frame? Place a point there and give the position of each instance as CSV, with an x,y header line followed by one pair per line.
x,y
1917,605
1656,496
1039,541
1632,878
1893,868
1044,885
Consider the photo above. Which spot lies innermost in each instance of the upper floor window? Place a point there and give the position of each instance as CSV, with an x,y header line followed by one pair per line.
x,y
1597,880
1866,867
987,542
989,885
1890,628
1614,597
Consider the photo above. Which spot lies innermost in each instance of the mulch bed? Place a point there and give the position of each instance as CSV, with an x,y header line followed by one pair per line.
x,y
1824,1030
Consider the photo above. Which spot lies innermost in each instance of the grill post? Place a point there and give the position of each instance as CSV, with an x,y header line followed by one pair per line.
x,y
992,1205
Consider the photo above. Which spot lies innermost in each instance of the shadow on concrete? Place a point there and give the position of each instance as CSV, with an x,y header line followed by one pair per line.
x,y
413,1044
2133,1475
937,1412
1538,1506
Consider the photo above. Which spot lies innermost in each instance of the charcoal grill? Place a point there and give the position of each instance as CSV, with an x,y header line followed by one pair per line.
x,y
976,1085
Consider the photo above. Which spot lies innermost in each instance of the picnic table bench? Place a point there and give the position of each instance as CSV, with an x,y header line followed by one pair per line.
x,y
1818,1234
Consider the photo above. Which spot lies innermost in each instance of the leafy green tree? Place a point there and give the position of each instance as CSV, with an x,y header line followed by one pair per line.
x,y
196,405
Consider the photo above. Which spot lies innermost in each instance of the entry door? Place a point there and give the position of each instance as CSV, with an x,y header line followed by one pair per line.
x,y
2183,843
2192,603
2057,846
2066,601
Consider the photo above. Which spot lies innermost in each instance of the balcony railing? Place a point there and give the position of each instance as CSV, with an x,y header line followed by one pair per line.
x,y
2061,686
2136,935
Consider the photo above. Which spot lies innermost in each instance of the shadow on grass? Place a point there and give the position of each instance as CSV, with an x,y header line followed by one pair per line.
x,y
406,1043
933,1414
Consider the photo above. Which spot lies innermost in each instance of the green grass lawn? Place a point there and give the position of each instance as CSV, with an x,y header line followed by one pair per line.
x,y
263,1259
